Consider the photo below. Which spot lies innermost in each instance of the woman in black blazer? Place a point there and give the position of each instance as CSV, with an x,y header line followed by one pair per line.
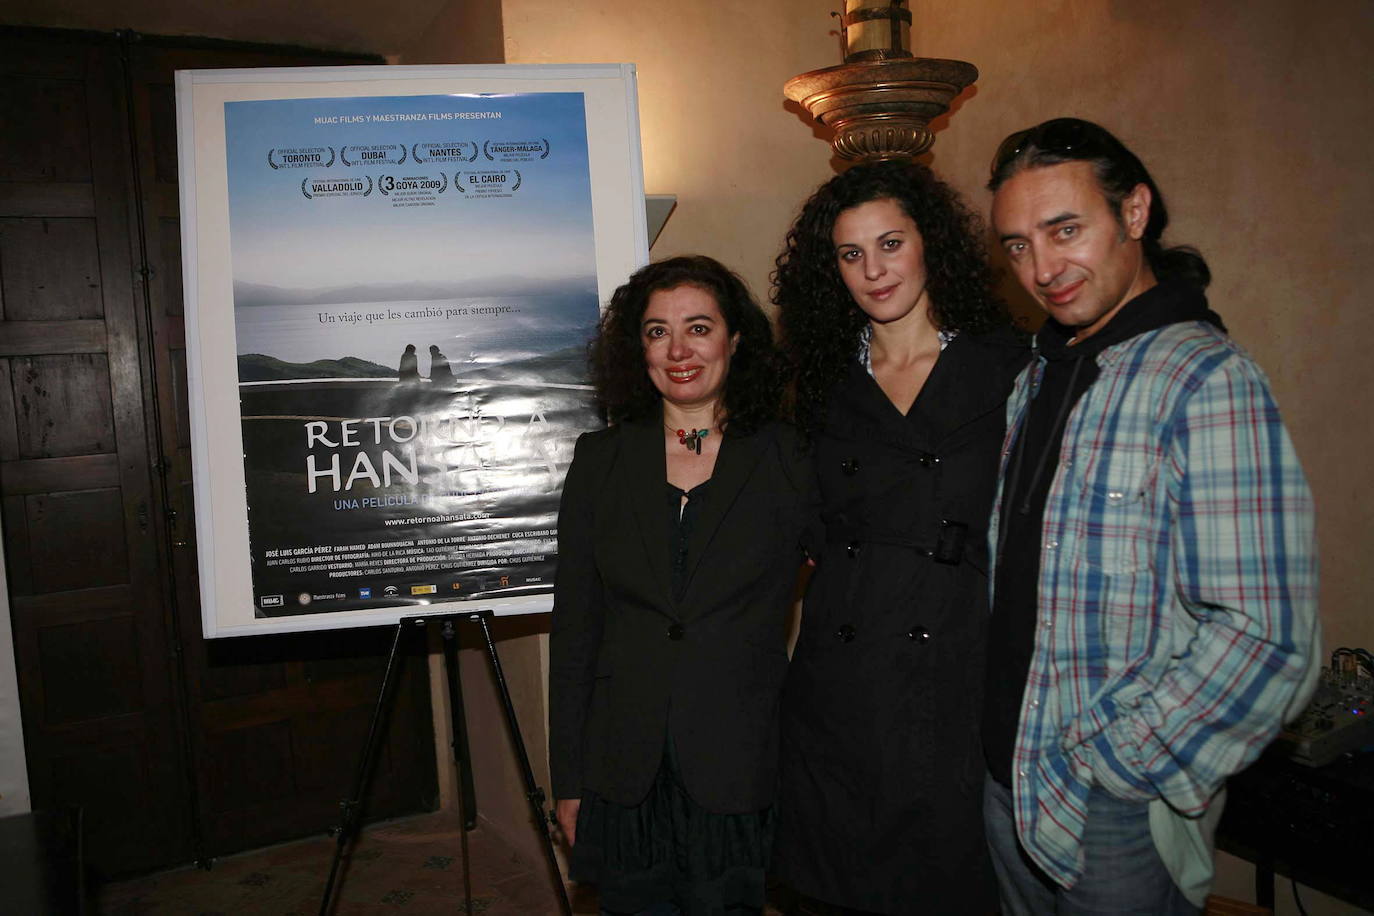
x,y
902,363
679,546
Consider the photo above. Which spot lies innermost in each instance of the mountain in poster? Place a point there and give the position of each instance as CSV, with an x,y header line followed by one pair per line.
x,y
259,294
567,366
256,367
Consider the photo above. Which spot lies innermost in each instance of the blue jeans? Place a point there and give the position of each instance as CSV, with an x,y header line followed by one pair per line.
x,y
1122,871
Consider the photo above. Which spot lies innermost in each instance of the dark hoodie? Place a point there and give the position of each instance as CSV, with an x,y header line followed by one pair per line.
x,y
1069,371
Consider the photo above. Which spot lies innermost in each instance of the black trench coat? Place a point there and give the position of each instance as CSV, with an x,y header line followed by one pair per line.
x,y
882,770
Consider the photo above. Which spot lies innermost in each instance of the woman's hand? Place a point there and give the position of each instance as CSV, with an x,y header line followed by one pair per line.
x,y
565,812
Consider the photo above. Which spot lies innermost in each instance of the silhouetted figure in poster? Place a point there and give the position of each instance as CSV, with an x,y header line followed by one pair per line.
x,y
440,375
410,366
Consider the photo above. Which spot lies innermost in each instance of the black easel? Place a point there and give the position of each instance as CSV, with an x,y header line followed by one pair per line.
x,y
350,808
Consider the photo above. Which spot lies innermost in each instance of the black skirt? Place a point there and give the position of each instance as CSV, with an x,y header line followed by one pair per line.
x,y
669,848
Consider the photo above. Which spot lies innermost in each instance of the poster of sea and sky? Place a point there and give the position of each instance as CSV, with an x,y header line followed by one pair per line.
x,y
414,286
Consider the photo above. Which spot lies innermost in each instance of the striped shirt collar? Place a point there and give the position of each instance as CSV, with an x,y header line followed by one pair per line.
x,y
865,355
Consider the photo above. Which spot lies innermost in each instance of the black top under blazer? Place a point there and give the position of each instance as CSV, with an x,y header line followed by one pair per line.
x,y
629,665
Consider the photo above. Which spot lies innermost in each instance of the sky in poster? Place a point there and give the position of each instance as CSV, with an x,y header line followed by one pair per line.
x,y
297,259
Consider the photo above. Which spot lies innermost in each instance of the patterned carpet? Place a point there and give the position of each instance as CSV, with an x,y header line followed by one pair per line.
x,y
410,866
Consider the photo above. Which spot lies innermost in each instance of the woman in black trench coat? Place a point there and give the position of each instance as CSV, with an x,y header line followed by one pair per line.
x,y
902,366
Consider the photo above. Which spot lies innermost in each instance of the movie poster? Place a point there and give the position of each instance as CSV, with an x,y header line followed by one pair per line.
x,y
414,285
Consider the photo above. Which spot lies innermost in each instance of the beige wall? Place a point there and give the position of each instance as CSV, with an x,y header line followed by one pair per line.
x,y
466,32
1252,116
499,784
1255,120
715,128
717,133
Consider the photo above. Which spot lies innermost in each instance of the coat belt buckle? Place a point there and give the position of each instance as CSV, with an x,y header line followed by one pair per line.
x,y
949,547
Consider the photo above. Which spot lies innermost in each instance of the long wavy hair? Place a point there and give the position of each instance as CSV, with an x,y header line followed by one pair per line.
x,y
753,386
1118,171
819,320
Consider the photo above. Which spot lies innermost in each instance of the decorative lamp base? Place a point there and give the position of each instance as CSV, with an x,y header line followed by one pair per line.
x,y
881,109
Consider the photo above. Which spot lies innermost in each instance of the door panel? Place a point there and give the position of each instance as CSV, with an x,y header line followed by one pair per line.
x,y
48,96
63,402
278,721
38,286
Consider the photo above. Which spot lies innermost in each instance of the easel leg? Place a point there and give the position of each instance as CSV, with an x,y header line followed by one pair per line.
x,y
462,753
536,796
1264,883
462,759
349,808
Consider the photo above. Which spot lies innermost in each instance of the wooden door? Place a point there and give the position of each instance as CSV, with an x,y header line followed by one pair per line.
x,y
277,721
269,727
96,659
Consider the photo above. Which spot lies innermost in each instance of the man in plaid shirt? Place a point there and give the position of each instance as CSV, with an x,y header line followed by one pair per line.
x,y
1154,588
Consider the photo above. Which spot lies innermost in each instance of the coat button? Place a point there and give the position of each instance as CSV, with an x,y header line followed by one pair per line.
x,y
918,633
853,549
845,633
850,466
675,631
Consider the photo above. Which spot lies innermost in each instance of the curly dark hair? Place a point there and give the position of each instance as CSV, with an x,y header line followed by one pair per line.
x,y
753,386
819,319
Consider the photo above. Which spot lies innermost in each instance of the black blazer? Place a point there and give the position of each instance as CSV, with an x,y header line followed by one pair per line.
x,y
629,665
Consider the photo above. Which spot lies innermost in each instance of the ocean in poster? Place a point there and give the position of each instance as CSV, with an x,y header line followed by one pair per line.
x,y
470,333
371,482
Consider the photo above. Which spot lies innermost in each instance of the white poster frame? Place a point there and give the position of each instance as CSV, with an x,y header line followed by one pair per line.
x,y
222,531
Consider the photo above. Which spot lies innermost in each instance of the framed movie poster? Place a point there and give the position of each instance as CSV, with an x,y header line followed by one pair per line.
x,y
391,276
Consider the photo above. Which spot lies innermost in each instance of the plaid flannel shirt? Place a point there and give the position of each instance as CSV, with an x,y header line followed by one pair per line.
x,y
1177,592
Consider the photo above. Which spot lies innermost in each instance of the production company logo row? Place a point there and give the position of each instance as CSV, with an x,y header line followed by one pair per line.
x,y
458,588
